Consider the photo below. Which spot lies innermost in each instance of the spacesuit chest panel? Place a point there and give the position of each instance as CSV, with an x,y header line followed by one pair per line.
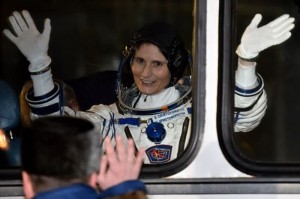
x,y
161,125
160,134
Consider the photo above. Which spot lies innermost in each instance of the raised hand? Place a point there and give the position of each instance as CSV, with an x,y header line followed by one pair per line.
x,y
29,40
120,165
255,40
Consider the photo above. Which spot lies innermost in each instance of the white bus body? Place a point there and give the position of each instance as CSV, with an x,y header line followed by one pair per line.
x,y
209,175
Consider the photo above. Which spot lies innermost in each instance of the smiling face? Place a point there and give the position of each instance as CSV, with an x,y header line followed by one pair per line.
x,y
150,70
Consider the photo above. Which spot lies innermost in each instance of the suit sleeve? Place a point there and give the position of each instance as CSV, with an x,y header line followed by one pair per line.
x,y
250,99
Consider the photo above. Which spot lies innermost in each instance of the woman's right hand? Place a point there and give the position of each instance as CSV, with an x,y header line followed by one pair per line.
x,y
29,40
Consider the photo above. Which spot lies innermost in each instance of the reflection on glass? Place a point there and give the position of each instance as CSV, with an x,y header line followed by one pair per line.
x,y
4,142
9,132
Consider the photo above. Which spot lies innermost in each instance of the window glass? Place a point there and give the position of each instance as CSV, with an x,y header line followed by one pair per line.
x,y
86,37
275,141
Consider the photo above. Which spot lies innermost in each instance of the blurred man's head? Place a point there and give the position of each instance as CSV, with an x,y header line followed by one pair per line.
x,y
59,151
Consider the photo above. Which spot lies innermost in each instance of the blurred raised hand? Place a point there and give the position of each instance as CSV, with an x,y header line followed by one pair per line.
x,y
119,165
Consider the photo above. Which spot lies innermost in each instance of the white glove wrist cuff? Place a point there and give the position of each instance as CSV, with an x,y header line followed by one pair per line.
x,y
245,76
43,83
241,52
39,64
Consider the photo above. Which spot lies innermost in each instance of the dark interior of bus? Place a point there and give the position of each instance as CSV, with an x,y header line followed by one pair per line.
x,y
87,39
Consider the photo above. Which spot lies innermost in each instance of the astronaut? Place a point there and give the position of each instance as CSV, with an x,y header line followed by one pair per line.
x,y
154,84
250,97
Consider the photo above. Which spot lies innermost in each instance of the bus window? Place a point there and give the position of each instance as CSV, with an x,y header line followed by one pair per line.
x,y
87,38
271,147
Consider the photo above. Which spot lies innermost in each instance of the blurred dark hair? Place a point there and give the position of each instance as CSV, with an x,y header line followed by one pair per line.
x,y
63,148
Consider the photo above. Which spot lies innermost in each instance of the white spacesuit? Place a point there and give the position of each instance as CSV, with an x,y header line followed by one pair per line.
x,y
163,131
250,98
160,122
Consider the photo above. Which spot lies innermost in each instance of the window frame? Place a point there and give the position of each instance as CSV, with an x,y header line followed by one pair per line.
x,y
198,100
227,58
11,180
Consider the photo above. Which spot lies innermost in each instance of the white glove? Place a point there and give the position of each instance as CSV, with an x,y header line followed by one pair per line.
x,y
255,40
29,40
